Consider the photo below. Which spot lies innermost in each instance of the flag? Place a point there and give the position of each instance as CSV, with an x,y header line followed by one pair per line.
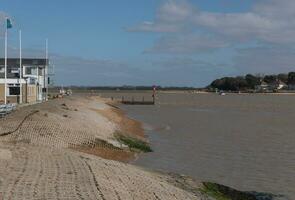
x,y
8,23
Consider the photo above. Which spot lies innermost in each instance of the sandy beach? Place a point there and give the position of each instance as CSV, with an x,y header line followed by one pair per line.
x,y
67,149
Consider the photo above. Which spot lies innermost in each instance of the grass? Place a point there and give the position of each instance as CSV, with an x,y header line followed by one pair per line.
x,y
212,190
220,192
134,143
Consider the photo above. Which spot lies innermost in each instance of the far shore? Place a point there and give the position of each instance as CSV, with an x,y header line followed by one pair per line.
x,y
159,91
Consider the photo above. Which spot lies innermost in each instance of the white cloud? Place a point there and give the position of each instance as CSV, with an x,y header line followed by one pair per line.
x,y
268,26
155,27
244,25
269,21
186,44
185,29
170,17
174,11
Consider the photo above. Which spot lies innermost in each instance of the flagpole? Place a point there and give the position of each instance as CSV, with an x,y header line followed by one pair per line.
x,y
46,70
20,67
5,65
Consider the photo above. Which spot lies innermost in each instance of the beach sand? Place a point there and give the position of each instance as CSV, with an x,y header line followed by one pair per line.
x,y
67,149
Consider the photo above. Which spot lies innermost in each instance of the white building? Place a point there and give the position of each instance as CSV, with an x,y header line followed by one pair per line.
x,y
29,86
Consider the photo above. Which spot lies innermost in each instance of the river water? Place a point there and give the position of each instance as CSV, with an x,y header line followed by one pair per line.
x,y
245,141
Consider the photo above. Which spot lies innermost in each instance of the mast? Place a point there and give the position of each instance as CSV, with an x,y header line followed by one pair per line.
x,y
46,70
5,65
20,68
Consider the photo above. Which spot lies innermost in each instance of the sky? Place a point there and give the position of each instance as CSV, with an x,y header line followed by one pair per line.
x,y
153,42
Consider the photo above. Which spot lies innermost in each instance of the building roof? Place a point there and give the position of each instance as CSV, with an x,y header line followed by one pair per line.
x,y
281,83
14,62
263,83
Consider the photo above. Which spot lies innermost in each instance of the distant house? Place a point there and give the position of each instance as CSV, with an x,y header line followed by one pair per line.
x,y
263,87
276,85
25,85
281,85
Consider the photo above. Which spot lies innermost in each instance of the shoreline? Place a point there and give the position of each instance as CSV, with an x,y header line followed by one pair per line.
x,y
57,153
126,126
71,142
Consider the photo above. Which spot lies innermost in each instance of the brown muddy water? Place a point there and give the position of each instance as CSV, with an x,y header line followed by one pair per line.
x,y
244,141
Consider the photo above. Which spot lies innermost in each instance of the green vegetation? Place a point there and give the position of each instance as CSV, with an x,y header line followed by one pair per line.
x,y
134,143
220,192
249,82
291,78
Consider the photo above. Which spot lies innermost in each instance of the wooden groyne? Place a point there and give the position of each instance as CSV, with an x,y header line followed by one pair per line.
x,y
133,101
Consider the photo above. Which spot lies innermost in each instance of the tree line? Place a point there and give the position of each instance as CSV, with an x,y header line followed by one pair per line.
x,y
127,88
249,82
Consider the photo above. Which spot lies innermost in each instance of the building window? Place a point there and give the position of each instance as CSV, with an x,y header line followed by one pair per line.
x,y
40,72
29,70
2,69
13,91
32,81
14,71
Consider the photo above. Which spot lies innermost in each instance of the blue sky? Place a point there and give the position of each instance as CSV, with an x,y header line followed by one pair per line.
x,y
147,42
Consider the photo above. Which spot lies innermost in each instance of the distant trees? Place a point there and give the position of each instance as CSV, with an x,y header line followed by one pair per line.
x,y
128,88
230,83
250,81
283,78
270,79
291,78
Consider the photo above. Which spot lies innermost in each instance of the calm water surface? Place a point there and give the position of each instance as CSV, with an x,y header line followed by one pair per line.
x,y
243,141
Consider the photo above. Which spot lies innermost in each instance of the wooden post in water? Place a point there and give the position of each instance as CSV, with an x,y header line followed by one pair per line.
x,y
154,95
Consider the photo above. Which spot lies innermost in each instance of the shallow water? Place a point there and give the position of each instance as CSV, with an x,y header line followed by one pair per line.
x,y
243,141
